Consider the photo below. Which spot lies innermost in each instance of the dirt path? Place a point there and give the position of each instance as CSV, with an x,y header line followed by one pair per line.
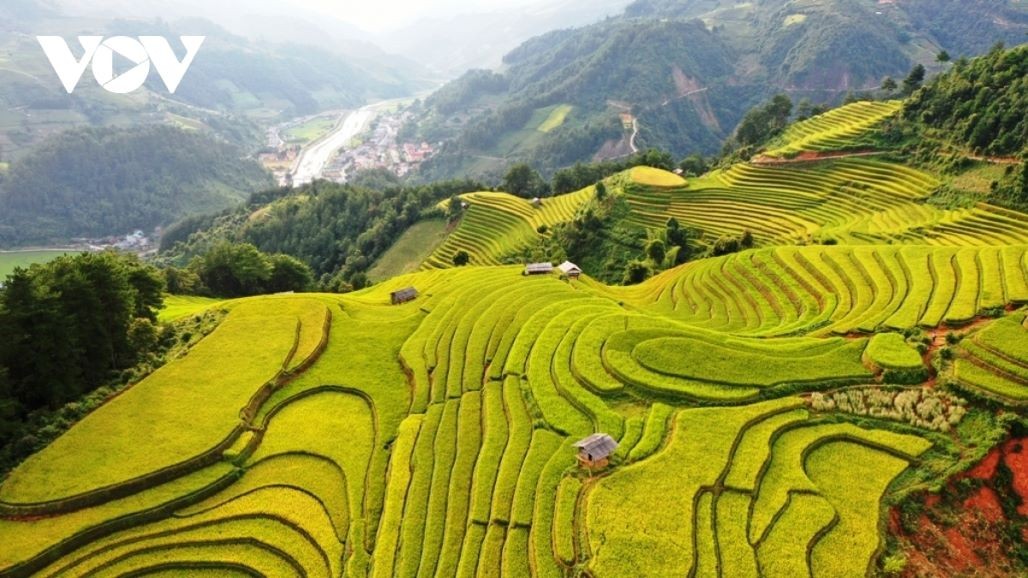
x,y
996,160
810,157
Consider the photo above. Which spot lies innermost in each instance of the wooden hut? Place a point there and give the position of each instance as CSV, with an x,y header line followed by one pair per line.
x,y
538,268
571,270
403,296
595,450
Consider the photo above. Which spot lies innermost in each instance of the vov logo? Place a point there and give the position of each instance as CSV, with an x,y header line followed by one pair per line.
x,y
142,53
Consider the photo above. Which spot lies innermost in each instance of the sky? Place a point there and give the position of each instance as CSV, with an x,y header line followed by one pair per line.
x,y
382,15
374,16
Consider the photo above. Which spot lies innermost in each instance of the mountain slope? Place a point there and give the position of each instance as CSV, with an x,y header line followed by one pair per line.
x,y
233,83
687,72
783,409
101,182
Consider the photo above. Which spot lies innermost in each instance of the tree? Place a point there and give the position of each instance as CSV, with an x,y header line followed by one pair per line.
x,y
523,181
693,165
65,326
601,190
182,281
454,208
889,85
678,237
942,57
914,80
461,258
636,272
765,122
656,251
746,239
359,281
289,274
143,335
234,270
804,109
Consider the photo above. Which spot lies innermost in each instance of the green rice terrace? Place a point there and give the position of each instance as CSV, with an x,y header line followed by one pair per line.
x,y
768,406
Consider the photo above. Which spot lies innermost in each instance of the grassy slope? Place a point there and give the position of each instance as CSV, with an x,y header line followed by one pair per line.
x,y
410,250
178,306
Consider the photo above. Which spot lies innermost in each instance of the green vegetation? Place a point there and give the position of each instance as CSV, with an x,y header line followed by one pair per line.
x,y
952,103
238,270
339,231
805,345
310,130
409,251
164,174
556,118
10,260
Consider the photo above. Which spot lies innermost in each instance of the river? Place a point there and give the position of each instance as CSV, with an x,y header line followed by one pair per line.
x,y
314,158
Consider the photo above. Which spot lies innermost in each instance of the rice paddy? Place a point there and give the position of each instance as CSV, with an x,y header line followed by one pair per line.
x,y
339,435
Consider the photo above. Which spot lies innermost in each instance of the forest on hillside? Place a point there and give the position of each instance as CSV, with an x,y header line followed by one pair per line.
x,y
98,182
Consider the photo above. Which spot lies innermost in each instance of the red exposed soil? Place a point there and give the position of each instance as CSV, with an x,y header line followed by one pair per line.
x,y
1015,456
964,530
986,503
961,548
985,468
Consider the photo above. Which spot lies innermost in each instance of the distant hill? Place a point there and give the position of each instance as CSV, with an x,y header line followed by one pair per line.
x,y
233,86
686,72
94,163
99,182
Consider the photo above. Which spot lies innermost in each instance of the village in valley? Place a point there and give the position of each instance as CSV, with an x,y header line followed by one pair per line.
x,y
378,146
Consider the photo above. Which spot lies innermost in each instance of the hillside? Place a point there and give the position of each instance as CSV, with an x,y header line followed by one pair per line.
x,y
98,182
233,86
686,72
459,412
823,181
834,384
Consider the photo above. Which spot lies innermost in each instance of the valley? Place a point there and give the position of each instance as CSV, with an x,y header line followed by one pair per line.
x,y
692,288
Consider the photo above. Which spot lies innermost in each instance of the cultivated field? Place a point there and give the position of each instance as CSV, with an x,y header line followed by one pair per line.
x,y
439,442
10,260
338,435
841,129
496,225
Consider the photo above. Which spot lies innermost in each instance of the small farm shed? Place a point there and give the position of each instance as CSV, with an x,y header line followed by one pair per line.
x,y
595,450
403,295
570,269
538,268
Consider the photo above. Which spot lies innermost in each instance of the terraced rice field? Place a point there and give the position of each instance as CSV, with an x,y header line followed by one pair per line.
x,y
994,361
336,435
496,225
848,201
439,442
823,290
840,129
